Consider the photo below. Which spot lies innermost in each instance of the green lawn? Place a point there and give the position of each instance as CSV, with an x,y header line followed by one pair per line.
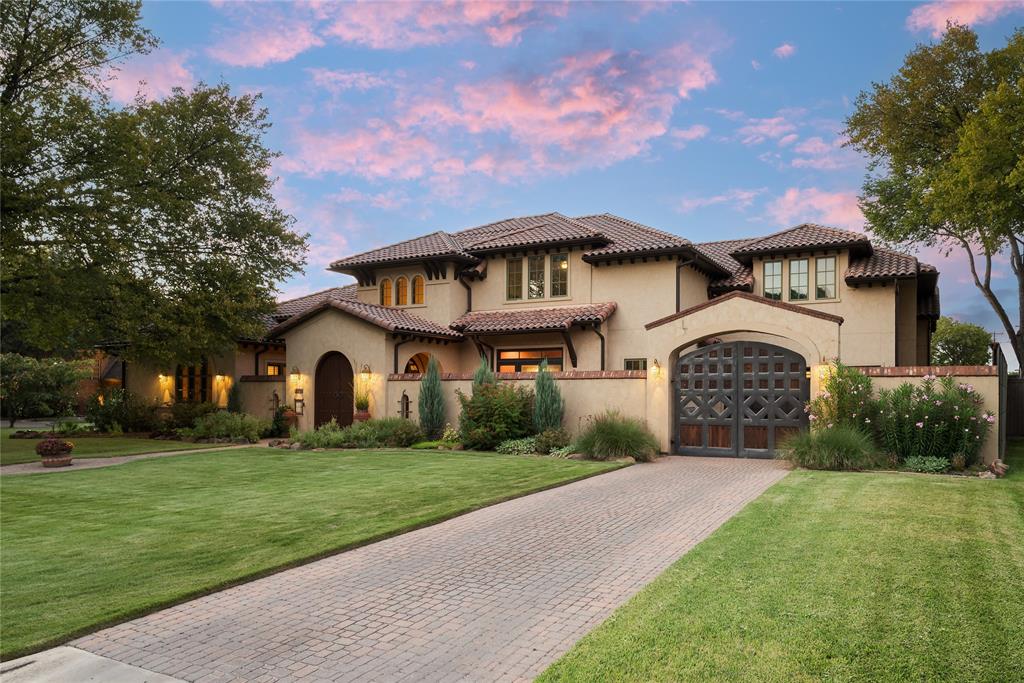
x,y
14,451
836,577
93,547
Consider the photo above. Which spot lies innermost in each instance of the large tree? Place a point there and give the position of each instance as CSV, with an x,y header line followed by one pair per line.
x,y
151,224
957,343
945,139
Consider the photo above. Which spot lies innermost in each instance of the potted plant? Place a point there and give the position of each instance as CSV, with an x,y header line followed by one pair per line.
x,y
362,395
55,452
290,417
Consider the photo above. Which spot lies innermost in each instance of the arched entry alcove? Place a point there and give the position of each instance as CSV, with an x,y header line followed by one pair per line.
x,y
418,363
332,390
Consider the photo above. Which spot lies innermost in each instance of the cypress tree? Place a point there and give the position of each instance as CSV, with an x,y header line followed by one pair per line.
x,y
548,405
431,401
483,374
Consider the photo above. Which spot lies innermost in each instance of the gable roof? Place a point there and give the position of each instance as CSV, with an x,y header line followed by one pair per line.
x,y
435,245
793,308
555,229
803,237
286,309
629,237
740,277
390,319
533,319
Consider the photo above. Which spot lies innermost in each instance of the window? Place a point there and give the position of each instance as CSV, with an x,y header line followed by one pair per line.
x,y
401,292
192,383
535,277
385,292
417,289
275,369
559,275
798,279
529,360
634,364
773,280
514,279
825,278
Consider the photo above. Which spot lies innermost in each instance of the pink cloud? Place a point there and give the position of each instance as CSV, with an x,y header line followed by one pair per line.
x,y
266,37
818,154
756,65
153,76
683,135
337,81
739,199
380,150
784,51
389,200
813,205
787,140
933,16
756,131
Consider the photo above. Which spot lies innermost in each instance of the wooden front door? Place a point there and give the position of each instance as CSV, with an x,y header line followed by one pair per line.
x,y
332,393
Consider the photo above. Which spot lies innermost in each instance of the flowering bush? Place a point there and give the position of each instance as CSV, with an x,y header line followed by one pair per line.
x,y
936,419
845,400
52,447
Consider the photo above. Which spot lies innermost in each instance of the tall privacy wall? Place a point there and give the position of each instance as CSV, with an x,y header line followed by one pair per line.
x,y
586,393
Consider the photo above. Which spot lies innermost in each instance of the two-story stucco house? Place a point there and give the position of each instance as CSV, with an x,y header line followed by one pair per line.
x,y
713,344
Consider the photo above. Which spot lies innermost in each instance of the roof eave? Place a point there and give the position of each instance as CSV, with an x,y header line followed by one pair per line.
x,y
746,256
553,244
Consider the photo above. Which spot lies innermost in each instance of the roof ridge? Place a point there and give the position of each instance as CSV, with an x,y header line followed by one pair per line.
x,y
489,237
637,224
394,244
504,220
321,291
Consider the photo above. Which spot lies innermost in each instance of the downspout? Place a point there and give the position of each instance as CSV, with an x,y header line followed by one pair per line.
x,y
597,331
469,292
679,270
256,358
396,345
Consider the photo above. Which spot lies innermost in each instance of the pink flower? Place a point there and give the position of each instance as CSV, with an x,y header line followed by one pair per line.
x,y
920,425
938,403
811,417
990,418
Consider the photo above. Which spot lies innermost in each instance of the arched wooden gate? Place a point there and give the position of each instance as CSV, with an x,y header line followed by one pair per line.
x,y
738,399
333,397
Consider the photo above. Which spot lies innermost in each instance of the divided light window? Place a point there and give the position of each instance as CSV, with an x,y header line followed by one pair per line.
x,y
798,280
275,369
559,275
417,289
773,280
514,279
385,292
192,383
634,364
401,292
535,277
825,278
529,360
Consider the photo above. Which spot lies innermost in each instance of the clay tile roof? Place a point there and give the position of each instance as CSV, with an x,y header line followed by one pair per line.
x,y
483,232
557,230
532,319
286,309
434,245
885,264
740,276
390,319
626,237
801,238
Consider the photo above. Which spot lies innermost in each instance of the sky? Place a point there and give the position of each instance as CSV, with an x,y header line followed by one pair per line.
x,y
709,120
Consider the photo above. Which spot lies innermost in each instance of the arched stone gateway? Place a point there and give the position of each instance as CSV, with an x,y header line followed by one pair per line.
x,y
332,391
738,398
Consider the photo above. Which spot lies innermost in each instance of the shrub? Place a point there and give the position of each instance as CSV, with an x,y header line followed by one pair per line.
x,y
550,439
31,387
835,448
53,447
118,410
935,419
928,465
225,425
524,446
613,435
495,413
388,432
483,374
69,427
450,434
430,445
547,404
431,401
278,424
563,452
185,413
845,400
235,398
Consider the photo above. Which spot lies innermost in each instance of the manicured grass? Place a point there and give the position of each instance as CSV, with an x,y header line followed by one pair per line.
x,y
14,451
837,577
93,547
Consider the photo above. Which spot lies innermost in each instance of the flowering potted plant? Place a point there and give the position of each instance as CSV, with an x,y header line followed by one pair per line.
x,y
362,396
55,452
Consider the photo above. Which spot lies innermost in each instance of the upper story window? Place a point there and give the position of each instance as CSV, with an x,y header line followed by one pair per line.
x,y
514,279
385,292
275,369
825,277
535,277
417,289
559,275
798,279
773,280
401,292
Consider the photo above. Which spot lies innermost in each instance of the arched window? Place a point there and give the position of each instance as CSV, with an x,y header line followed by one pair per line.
x,y
401,292
385,292
417,289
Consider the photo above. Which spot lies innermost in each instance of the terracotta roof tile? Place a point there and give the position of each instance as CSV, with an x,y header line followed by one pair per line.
x,y
803,237
390,319
286,309
626,236
884,264
557,230
434,245
740,276
532,319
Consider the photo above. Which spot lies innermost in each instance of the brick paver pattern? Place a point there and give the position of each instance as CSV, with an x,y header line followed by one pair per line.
x,y
497,594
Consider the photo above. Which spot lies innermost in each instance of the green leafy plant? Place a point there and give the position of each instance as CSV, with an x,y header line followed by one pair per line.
x,y
431,401
551,439
835,448
225,425
613,435
388,432
483,374
361,393
525,446
278,424
548,406
31,387
235,398
929,465
495,413
450,434
185,413
118,410
563,452
845,400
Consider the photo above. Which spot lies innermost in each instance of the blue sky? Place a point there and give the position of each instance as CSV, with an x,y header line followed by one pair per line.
x,y
710,120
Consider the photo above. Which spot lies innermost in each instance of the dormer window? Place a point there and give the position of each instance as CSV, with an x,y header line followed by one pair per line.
x,y
385,292
401,291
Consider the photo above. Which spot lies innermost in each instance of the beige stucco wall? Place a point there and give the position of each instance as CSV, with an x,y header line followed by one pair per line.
x,y
489,293
155,383
443,300
258,397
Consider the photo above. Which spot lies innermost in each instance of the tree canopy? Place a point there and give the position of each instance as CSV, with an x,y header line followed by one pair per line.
x,y
945,139
957,343
151,225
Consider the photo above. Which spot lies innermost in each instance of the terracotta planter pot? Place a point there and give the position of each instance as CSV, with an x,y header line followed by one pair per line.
x,y
57,461
291,417
361,415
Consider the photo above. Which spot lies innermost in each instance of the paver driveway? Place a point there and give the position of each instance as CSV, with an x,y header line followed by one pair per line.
x,y
497,594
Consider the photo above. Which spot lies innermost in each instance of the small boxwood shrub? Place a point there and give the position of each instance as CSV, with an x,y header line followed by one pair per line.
x,y
388,432
495,413
118,410
524,446
835,448
550,439
225,425
185,413
613,435
919,463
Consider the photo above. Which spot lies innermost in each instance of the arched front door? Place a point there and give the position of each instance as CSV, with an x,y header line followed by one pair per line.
x,y
739,398
333,390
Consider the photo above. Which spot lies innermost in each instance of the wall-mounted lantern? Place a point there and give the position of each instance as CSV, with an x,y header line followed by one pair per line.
x,y
299,402
365,372
295,374
656,369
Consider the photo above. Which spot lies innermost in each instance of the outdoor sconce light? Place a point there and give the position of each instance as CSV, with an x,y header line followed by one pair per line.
x,y
295,374
299,402
365,372
656,369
